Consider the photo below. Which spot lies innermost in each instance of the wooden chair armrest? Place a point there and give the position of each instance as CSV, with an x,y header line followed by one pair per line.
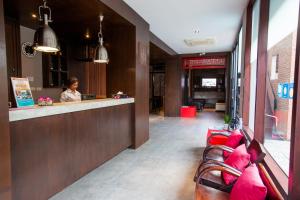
x,y
218,166
213,147
209,163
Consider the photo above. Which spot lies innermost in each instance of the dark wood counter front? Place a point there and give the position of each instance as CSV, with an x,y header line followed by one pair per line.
x,y
50,153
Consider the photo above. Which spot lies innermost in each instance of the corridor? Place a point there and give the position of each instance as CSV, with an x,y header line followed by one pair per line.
x,y
162,169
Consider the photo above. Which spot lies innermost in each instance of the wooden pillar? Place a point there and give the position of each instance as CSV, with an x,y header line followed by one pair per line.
x,y
173,90
262,59
247,69
5,163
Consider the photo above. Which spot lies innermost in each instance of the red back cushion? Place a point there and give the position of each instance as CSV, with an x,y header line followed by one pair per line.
x,y
239,159
233,141
249,186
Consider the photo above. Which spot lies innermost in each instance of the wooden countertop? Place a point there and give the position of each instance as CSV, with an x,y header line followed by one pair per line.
x,y
61,108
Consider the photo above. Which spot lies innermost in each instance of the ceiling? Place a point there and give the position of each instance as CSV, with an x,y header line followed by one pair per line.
x,y
212,23
65,23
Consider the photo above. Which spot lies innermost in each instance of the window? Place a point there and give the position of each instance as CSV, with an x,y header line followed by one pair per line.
x,y
274,68
282,33
239,72
209,82
253,60
233,78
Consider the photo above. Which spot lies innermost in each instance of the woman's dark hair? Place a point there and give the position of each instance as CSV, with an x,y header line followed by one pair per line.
x,y
71,81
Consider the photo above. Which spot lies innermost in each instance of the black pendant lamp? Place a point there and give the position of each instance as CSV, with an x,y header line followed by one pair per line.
x,y
44,38
101,55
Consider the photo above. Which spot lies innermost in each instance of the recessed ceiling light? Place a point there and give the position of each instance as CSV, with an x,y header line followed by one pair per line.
x,y
33,15
87,36
199,42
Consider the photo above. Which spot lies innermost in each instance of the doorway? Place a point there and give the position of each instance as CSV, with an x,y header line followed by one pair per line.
x,y
157,88
158,63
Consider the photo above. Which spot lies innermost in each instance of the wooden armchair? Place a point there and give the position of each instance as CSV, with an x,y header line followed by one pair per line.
x,y
210,169
203,192
255,149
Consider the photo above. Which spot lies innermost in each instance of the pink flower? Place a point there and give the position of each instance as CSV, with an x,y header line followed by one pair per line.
x,y
48,99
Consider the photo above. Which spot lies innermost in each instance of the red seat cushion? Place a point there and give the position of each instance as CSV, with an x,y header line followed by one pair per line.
x,y
249,186
217,139
239,159
233,141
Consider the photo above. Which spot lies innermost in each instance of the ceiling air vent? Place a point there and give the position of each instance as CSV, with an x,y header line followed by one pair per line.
x,y
199,42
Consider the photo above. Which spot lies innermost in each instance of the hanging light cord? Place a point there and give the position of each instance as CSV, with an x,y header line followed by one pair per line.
x,y
44,7
100,35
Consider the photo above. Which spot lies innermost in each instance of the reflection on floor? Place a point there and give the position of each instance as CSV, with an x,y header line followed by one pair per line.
x,y
280,151
162,169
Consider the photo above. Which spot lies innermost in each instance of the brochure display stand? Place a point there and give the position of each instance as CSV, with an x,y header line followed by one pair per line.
x,y
22,92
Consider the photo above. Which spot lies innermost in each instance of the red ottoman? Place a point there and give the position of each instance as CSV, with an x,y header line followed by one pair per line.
x,y
218,139
188,111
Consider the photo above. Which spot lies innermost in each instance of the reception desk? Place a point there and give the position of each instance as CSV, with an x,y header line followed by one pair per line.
x,y
54,146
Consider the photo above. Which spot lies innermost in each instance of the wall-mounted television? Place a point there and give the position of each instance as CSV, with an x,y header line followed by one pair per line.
x,y
209,82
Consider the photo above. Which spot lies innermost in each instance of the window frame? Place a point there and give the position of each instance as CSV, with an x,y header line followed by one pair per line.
x,y
288,185
237,63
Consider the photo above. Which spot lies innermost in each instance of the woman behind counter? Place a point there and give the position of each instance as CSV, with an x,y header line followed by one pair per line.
x,y
71,94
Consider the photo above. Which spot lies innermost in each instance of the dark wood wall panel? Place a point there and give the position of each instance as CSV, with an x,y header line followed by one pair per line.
x,y
157,55
92,76
142,92
77,69
121,67
13,53
50,153
95,79
5,165
141,69
173,90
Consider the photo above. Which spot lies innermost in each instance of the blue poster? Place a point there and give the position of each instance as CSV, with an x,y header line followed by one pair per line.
x,y
285,90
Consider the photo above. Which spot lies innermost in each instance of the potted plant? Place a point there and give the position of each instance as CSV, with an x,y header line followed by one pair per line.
x,y
227,120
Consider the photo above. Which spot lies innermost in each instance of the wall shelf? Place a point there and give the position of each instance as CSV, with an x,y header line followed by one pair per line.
x,y
55,70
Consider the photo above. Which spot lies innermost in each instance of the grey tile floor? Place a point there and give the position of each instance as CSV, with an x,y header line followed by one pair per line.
x,y
162,169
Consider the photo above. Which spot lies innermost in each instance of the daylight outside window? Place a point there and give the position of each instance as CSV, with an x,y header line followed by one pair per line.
x,y
280,79
254,48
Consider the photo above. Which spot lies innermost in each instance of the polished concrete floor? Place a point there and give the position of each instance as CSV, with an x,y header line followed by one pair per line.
x,y
162,169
